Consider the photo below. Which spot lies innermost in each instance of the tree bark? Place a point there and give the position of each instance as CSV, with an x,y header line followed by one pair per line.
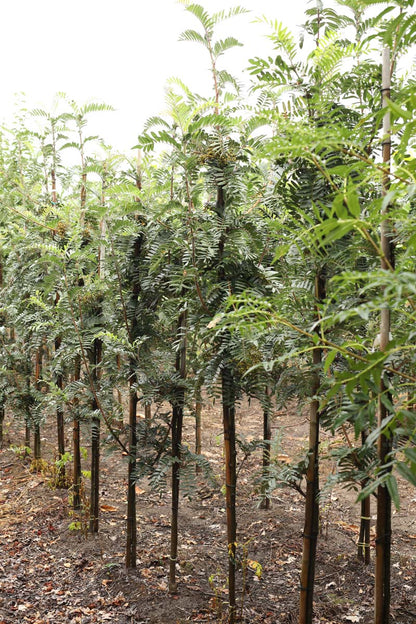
x,y
384,445
131,542
311,526
267,435
37,453
1,423
76,498
95,442
60,426
198,423
363,551
27,434
230,452
2,400
177,422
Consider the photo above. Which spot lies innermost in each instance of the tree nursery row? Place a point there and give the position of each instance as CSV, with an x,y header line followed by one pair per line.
x,y
262,244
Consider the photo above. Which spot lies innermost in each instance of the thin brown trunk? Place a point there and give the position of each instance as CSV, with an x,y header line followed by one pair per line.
x,y
76,498
383,544
37,453
27,434
230,452
60,426
1,423
96,358
177,422
28,407
131,542
95,475
363,551
228,392
147,414
311,526
198,423
384,445
37,450
2,400
267,435
95,443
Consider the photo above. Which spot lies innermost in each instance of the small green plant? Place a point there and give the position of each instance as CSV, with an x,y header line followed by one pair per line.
x,y
63,460
21,451
80,517
218,586
60,477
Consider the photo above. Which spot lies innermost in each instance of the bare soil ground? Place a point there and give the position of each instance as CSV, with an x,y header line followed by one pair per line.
x,y
51,574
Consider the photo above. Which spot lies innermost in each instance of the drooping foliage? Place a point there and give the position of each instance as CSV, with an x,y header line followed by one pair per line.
x,y
243,253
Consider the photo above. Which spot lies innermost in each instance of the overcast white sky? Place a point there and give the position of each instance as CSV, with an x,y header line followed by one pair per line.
x,y
120,52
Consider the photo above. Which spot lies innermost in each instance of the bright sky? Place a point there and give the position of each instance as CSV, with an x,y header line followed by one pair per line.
x,y
120,52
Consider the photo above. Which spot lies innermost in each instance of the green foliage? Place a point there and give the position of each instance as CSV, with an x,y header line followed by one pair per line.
x,y
232,227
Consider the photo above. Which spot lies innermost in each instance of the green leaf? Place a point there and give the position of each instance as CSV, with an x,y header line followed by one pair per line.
x,y
398,111
353,201
391,483
329,359
281,251
406,472
410,453
384,398
192,35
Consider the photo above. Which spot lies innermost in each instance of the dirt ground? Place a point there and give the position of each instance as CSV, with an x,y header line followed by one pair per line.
x,y
50,573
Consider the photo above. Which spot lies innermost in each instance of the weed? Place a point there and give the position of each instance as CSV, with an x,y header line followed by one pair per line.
x,y
21,451
80,517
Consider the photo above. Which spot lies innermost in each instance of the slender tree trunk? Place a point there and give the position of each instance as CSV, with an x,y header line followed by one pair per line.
x,y
96,357
198,423
228,391
76,498
27,433
383,524
383,545
1,423
131,543
28,414
230,452
60,425
177,422
311,526
365,520
267,435
2,400
37,451
95,443
147,414
59,379
36,429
